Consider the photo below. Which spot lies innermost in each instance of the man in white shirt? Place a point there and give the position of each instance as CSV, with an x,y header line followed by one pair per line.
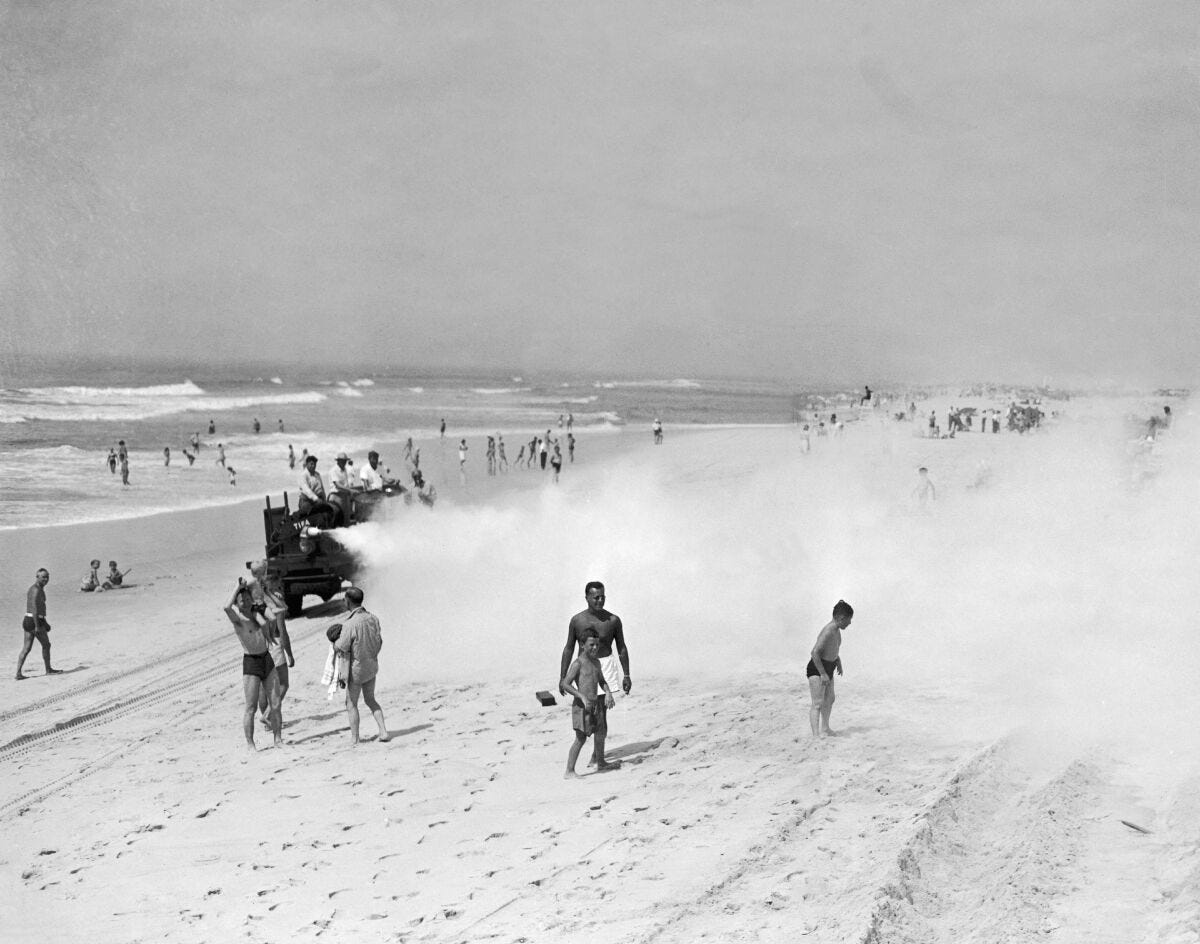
x,y
372,477
313,499
341,486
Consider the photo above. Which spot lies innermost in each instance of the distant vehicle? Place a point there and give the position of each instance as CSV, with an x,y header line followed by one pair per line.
x,y
303,557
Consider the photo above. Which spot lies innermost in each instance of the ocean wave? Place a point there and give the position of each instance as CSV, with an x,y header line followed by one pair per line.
x,y
345,391
679,384
276,380
416,389
89,394
492,391
363,382
139,408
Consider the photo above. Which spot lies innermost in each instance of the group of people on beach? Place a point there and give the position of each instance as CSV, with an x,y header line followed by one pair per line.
x,y
258,614
92,583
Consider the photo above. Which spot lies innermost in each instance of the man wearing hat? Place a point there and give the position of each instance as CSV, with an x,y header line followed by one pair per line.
x,y
342,487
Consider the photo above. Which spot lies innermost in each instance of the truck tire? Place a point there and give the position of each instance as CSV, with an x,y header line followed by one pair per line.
x,y
295,604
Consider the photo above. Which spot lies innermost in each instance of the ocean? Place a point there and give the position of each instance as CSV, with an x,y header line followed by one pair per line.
x,y
58,424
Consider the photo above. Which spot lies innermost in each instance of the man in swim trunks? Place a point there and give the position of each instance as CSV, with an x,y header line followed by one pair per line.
x,y
268,599
826,659
611,633
258,668
35,625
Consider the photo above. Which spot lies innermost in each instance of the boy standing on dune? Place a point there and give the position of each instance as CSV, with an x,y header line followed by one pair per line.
x,y
826,659
589,715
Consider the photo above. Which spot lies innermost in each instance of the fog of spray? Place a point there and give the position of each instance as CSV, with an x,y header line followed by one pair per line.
x,y
1040,574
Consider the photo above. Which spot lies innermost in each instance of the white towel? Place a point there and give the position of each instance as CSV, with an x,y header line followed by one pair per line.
x,y
334,669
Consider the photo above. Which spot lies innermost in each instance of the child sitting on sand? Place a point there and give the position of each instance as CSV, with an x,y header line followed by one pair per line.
x,y
115,576
91,582
589,715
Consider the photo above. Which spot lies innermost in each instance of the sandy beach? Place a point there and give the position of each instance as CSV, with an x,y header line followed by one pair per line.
x,y
991,741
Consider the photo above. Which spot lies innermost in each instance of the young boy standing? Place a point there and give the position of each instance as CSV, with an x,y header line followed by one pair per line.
x,y
589,715
826,659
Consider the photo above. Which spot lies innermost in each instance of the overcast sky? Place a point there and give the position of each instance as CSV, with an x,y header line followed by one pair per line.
x,y
916,191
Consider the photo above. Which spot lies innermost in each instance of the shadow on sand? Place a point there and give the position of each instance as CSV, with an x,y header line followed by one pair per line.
x,y
393,734
639,751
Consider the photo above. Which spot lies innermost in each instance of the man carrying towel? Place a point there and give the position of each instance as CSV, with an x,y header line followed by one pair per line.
x,y
360,640
611,634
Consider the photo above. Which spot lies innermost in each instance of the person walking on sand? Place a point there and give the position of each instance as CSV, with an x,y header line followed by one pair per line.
x,y
544,450
462,455
924,493
291,457
112,461
611,634
583,680
258,668
220,459
125,470
196,442
825,660
556,462
360,641
500,449
570,421
657,427
35,625
166,455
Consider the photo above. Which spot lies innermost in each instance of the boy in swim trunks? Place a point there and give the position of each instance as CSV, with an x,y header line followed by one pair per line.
x,y
589,714
826,659
258,668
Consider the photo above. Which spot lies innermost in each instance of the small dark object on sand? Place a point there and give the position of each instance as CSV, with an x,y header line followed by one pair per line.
x,y
1140,829
546,699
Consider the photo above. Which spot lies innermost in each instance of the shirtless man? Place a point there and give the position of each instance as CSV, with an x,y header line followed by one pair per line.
x,y
35,625
266,594
610,633
258,668
825,660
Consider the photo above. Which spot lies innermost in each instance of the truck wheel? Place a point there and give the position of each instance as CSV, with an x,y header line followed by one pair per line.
x,y
295,604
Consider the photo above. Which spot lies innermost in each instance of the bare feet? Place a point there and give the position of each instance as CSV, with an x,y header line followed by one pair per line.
x,y
54,671
605,765
21,678
250,747
570,775
383,738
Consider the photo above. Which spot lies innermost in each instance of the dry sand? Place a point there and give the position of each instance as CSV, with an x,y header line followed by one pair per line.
x,y
943,811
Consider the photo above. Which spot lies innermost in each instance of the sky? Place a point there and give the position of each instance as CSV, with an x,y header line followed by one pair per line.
x,y
916,191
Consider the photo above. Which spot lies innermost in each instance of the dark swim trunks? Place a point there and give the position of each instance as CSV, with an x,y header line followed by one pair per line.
x,y
812,672
29,624
260,665
590,722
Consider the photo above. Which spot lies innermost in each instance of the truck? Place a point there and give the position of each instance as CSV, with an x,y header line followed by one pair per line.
x,y
302,555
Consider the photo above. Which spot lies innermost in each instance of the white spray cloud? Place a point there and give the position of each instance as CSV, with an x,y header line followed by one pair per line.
x,y
1038,573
